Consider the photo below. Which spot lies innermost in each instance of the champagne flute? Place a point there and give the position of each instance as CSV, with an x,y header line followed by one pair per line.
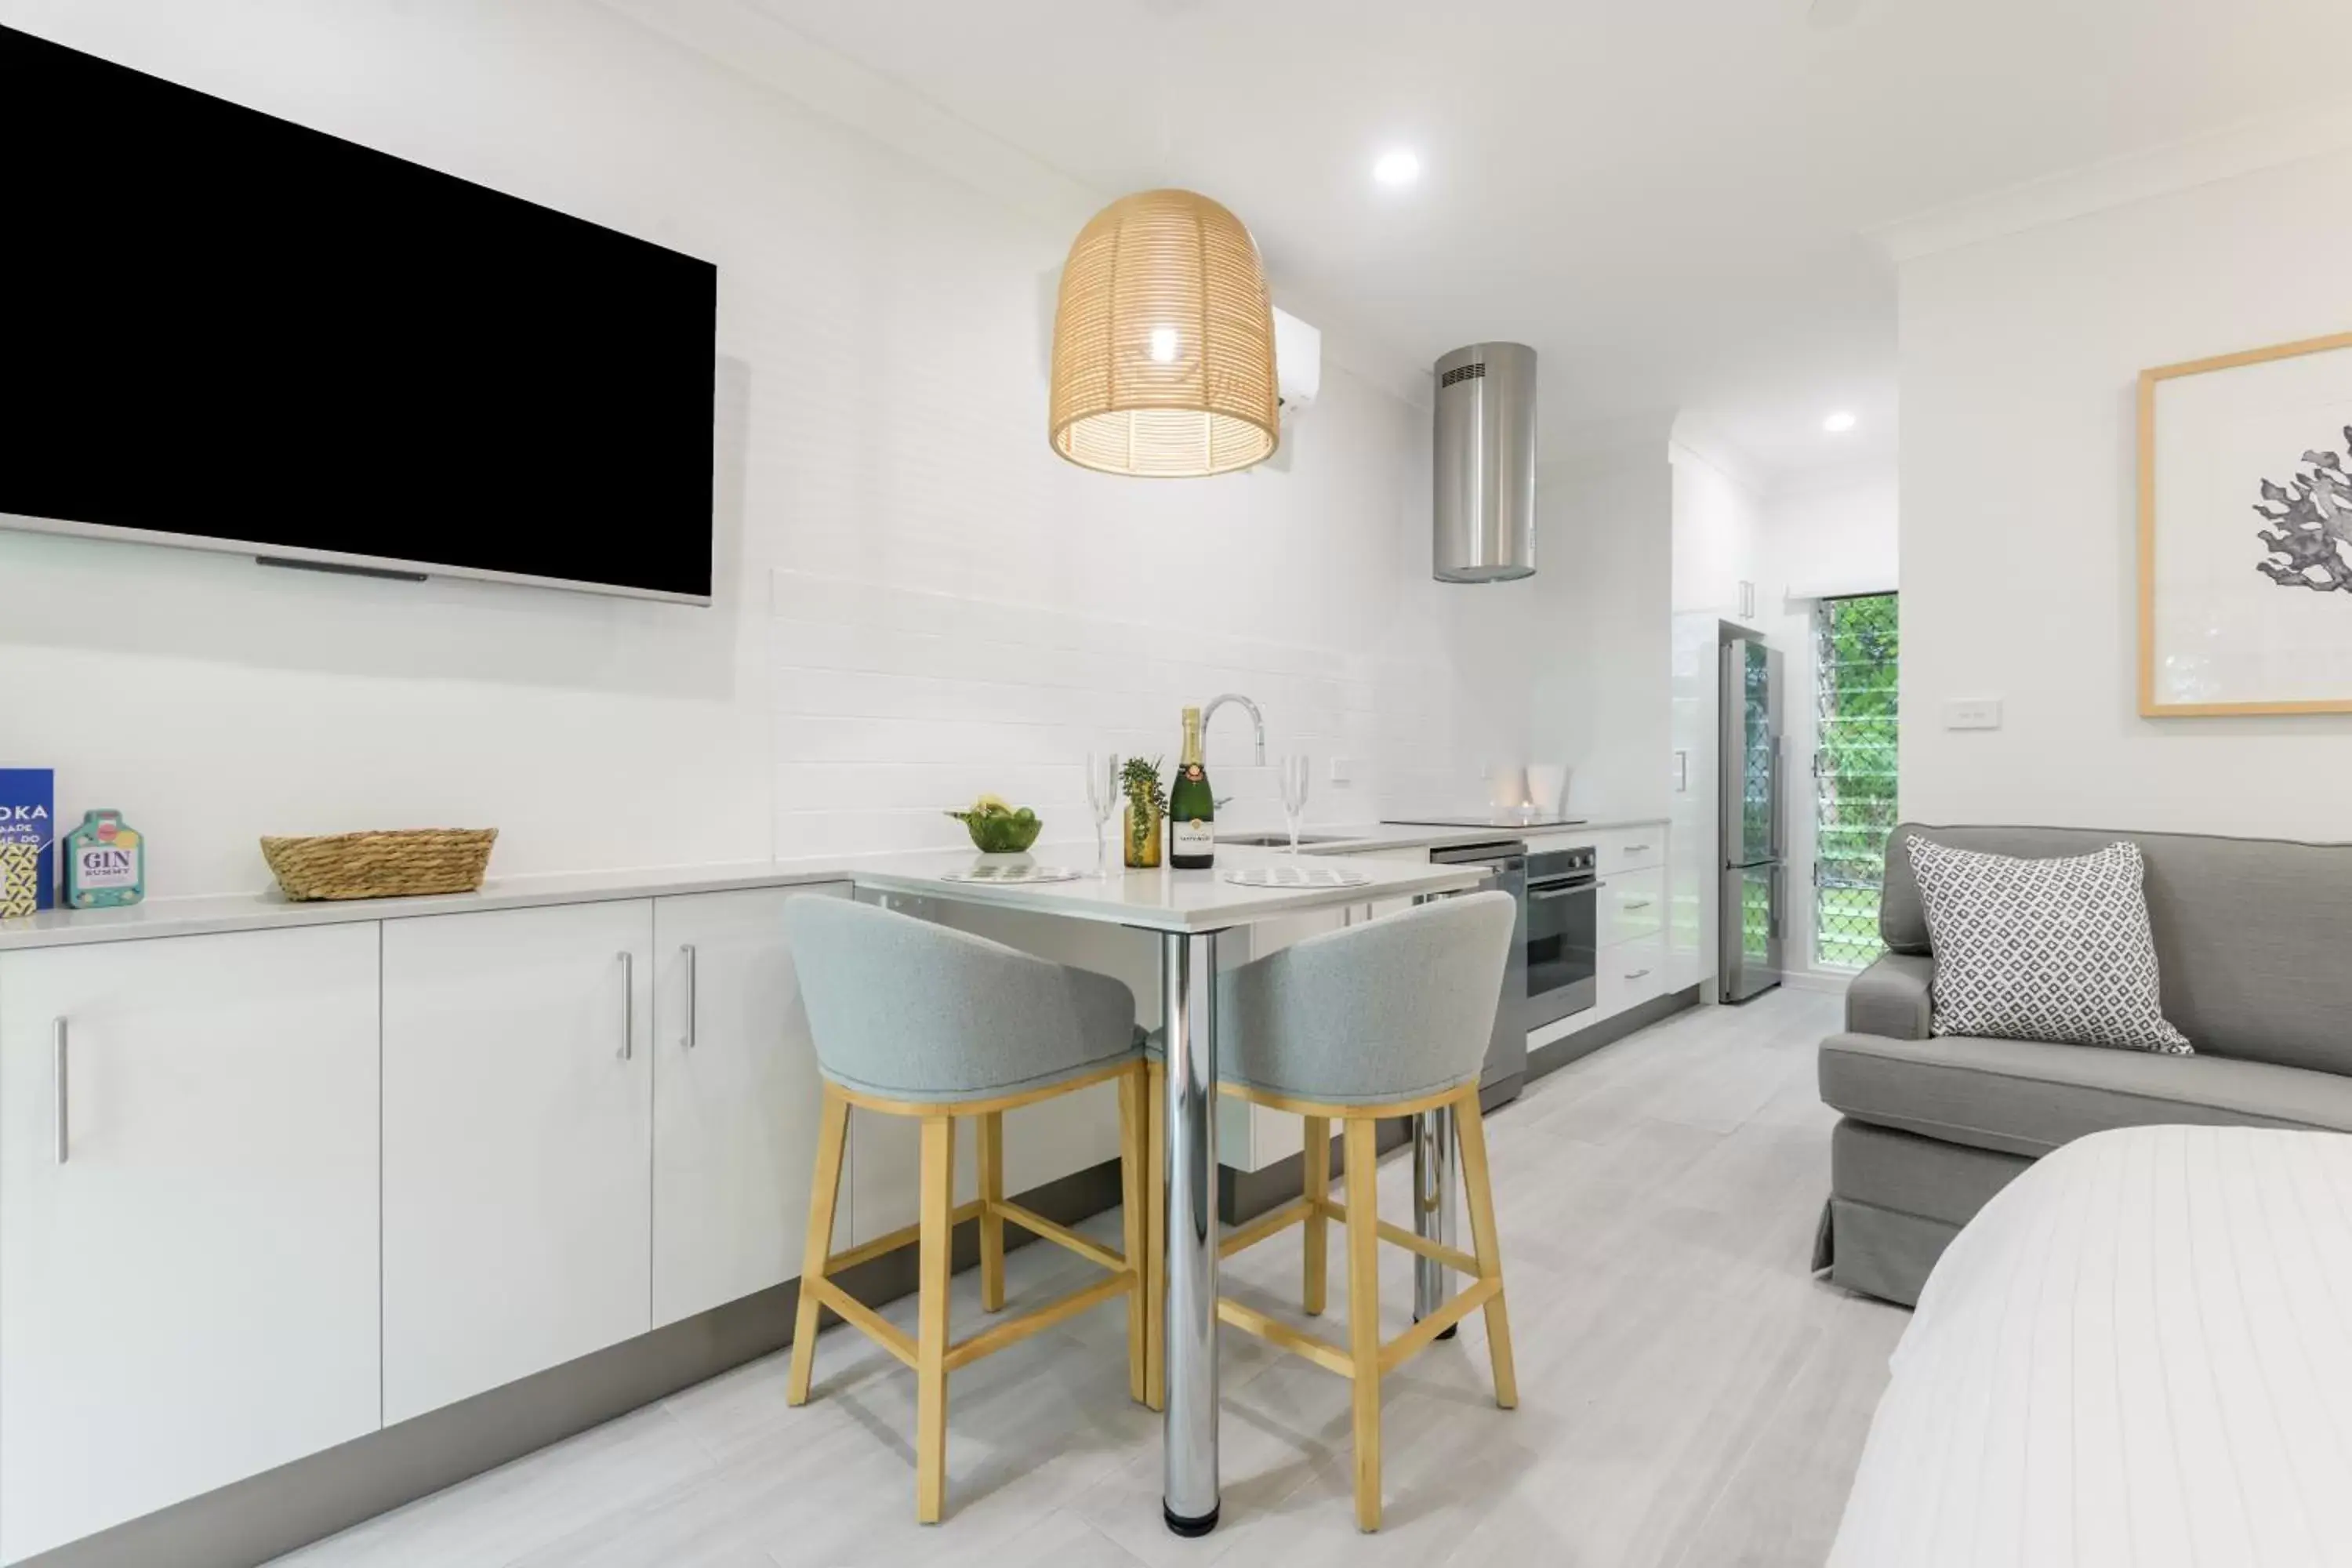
x,y
1103,798
1295,774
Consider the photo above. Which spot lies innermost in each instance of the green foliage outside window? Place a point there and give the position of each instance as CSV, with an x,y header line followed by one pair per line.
x,y
1855,646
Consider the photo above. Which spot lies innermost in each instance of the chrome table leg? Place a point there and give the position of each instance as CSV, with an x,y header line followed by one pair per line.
x,y
1188,976
1433,1209
1433,1197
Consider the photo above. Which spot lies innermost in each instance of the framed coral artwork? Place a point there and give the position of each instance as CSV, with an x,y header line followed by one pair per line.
x,y
2245,533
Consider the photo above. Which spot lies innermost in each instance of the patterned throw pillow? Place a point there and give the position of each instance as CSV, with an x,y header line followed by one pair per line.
x,y
2053,950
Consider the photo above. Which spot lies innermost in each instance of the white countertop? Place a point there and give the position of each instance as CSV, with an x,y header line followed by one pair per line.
x,y
1159,899
1162,899
1353,838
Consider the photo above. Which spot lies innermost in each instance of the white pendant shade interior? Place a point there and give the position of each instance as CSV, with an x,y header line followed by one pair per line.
x,y
1164,342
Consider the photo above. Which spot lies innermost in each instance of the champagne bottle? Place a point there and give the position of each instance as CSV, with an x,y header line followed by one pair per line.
x,y
1191,806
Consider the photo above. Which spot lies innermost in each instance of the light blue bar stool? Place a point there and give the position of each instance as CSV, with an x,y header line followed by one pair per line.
x,y
918,1020
1385,1019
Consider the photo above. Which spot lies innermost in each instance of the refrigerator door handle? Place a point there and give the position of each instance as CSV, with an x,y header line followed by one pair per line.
x,y
1780,898
1777,805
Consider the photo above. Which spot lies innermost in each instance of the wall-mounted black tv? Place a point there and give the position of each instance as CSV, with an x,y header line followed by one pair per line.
x,y
223,331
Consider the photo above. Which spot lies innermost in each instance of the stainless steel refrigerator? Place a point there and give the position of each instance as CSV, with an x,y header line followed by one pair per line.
x,y
1754,904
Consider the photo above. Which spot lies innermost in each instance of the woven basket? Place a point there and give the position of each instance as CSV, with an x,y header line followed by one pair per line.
x,y
382,865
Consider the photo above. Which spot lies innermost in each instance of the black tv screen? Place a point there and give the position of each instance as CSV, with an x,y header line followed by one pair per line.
x,y
222,329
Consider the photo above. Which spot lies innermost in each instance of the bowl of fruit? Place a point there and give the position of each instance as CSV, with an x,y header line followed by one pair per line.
x,y
997,827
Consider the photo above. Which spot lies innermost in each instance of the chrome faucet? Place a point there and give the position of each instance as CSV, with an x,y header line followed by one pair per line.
x,y
1257,720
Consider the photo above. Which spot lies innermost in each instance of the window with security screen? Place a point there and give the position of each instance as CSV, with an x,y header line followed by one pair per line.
x,y
1856,645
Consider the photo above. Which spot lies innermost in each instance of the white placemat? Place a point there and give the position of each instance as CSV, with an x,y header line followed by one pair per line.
x,y
1296,877
1010,873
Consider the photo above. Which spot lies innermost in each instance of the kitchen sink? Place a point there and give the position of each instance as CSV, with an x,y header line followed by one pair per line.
x,y
1276,840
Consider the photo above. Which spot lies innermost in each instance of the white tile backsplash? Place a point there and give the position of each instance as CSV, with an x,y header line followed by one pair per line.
x,y
895,704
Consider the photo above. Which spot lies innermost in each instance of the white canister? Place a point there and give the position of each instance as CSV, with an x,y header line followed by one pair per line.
x,y
1507,788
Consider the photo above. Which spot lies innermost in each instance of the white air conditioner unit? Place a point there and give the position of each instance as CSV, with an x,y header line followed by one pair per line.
x,y
1297,362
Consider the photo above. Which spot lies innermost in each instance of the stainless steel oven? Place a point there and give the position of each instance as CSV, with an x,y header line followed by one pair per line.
x,y
1562,945
1506,1072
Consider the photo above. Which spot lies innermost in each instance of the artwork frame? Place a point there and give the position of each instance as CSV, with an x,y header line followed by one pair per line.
x,y
2252,644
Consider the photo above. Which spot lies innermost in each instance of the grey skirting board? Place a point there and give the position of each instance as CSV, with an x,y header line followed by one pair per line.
x,y
1584,1042
265,1516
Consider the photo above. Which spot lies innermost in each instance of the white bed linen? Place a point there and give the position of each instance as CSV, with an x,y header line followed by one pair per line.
x,y
2138,1355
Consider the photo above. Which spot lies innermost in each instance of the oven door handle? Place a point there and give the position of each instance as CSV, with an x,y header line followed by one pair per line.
x,y
1569,891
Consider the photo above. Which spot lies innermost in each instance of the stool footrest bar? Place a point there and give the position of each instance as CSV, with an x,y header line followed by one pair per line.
x,y
1012,1332
905,1236
1418,1338
1270,1224
1062,1235
1282,1336
863,1319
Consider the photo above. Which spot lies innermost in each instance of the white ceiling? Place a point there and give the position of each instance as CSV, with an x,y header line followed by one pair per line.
x,y
1665,197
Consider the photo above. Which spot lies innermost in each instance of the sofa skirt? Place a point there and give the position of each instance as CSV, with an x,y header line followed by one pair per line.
x,y
1896,1202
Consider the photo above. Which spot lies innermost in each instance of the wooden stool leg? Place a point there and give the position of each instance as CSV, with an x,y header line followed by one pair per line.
x,y
937,1206
1134,1098
991,1217
1470,1132
1155,1242
1317,1151
1364,1311
824,1192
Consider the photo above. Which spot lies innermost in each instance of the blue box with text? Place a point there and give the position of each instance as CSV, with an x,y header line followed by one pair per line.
x,y
28,840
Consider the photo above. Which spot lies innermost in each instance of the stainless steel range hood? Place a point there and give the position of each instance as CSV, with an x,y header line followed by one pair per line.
x,y
1486,464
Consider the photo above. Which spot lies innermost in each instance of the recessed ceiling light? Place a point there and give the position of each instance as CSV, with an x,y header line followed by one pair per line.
x,y
1838,424
1398,167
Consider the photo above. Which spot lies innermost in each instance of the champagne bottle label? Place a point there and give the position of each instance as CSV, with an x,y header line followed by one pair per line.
x,y
1194,835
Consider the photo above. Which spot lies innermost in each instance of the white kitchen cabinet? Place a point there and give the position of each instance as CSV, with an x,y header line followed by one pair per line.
x,y
1630,974
736,1099
1616,850
188,1273
1631,905
1694,859
518,1085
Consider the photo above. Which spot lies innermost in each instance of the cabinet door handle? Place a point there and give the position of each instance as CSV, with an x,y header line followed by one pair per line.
x,y
692,993
59,1048
1636,973
1637,903
1635,849
628,1001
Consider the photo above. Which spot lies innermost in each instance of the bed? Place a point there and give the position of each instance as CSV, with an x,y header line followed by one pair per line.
x,y
2138,1354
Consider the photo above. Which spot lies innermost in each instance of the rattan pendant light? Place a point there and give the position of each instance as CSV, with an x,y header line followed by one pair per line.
x,y
1164,342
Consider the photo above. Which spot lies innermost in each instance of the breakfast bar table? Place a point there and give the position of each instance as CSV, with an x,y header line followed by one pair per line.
x,y
1187,911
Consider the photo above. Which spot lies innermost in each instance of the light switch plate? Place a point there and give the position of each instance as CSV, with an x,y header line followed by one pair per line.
x,y
1343,770
1973,714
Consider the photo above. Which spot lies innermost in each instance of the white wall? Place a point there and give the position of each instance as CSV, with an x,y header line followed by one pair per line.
x,y
916,600
2019,356
1599,637
1832,536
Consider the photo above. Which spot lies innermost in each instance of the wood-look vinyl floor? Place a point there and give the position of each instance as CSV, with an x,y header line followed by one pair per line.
x,y
1689,1394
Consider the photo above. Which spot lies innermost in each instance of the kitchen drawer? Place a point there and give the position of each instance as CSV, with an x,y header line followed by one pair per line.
x,y
1632,905
1630,974
1629,849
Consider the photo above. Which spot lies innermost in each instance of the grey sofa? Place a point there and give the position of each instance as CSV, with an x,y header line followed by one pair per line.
x,y
2254,941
